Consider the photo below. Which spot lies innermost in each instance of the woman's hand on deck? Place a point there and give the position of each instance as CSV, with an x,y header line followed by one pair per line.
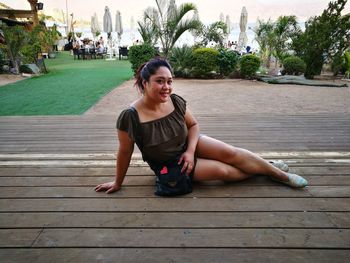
x,y
187,159
109,187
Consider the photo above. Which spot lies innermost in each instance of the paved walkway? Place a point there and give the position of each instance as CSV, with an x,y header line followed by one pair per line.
x,y
49,166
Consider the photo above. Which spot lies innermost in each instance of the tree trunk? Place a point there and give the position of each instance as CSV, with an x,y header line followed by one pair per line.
x,y
33,4
14,62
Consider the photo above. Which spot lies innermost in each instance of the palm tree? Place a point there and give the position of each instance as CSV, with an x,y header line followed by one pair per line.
x,y
169,22
264,35
285,29
148,31
275,38
214,32
15,39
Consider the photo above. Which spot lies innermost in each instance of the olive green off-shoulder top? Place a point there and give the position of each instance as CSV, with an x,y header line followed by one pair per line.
x,y
163,139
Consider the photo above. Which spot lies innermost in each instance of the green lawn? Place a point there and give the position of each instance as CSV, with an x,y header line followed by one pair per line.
x,y
71,87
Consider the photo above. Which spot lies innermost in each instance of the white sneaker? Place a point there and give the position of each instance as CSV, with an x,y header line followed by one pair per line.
x,y
295,181
280,165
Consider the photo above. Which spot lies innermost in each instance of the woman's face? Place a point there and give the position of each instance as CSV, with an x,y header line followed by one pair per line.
x,y
159,86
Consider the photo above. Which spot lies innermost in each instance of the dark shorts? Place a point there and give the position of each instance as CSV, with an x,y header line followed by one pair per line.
x,y
191,175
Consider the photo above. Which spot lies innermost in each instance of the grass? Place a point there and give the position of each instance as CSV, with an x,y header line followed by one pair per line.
x,y
71,87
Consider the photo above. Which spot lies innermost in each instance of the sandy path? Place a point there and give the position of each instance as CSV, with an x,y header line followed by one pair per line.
x,y
234,96
9,78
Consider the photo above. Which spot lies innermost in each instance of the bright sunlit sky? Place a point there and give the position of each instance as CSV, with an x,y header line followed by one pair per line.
x,y
209,10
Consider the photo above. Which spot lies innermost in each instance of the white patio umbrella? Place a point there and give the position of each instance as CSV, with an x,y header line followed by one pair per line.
x,y
132,28
228,25
222,18
118,26
107,27
95,27
243,39
107,22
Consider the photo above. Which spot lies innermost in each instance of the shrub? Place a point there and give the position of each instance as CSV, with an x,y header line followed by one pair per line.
x,y
139,54
181,61
347,63
1,62
205,62
293,65
227,61
338,65
249,64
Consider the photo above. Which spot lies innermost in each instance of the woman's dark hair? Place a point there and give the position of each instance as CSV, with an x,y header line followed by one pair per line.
x,y
147,69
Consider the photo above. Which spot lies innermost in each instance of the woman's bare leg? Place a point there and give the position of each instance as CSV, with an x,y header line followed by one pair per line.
x,y
207,169
243,160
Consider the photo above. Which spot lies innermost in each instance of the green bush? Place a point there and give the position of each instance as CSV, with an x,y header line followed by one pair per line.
x,y
347,63
338,65
1,61
293,66
139,54
181,61
205,62
249,65
227,61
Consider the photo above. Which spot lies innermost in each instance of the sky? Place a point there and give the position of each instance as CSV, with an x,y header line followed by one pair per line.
x,y
209,10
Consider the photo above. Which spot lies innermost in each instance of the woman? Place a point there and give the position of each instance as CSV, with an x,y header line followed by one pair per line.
x,y
169,129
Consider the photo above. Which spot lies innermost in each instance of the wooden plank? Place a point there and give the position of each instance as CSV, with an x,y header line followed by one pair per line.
x,y
178,238
161,255
228,190
11,137
108,133
247,121
149,180
110,148
110,171
291,157
340,219
110,162
70,171
328,220
241,119
182,204
148,192
18,237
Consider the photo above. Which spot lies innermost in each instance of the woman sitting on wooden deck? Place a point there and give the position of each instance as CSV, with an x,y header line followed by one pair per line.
x,y
168,136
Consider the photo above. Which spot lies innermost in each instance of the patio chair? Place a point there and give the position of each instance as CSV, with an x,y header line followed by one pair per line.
x,y
102,54
92,52
123,52
77,53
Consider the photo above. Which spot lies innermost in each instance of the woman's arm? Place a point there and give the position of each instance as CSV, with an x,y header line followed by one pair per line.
x,y
192,140
193,131
126,148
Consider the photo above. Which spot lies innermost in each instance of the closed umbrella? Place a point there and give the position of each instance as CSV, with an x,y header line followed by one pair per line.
x,y
132,28
95,27
222,18
228,24
107,22
243,39
118,26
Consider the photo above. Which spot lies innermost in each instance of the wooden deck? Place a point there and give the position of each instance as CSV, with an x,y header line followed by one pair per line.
x,y
50,213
